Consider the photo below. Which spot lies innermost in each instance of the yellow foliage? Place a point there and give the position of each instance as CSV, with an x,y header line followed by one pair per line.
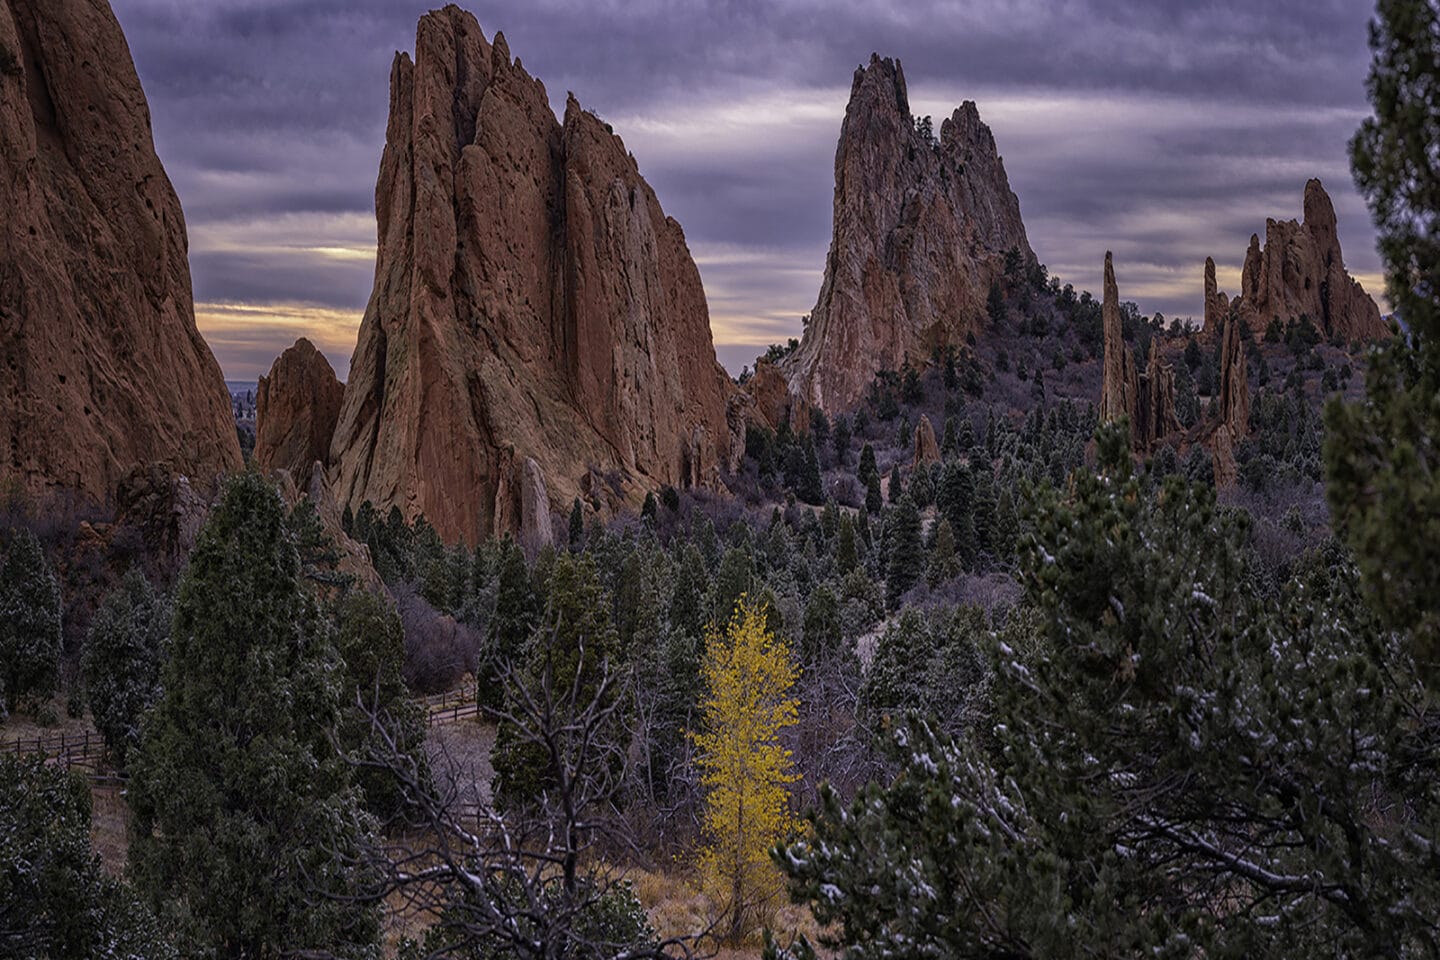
x,y
748,673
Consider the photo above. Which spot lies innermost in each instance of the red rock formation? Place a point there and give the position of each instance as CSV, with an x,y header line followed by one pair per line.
x,y
921,230
1148,399
1300,271
1119,388
1217,305
774,403
927,450
296,408
101,366
532,302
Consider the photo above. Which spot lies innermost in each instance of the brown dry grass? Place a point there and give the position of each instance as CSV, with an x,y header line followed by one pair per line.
x,y
677,907
22,726
109,827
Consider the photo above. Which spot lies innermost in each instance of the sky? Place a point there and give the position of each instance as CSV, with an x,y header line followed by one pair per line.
x,y
1164,130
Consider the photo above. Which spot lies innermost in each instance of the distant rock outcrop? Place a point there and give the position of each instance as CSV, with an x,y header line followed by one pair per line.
x,y
927,449
1233,423
532,302
1148,399
101,366
296,408
921,230
1217,305
1300,272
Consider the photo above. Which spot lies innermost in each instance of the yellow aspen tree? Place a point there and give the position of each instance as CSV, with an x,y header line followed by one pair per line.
x,y
749,673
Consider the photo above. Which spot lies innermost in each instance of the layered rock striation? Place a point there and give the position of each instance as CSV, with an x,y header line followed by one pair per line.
x,y
102,369
921,228
532,302
1300,271
296,408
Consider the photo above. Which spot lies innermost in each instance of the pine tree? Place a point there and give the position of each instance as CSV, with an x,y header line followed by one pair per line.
x,y
244,814
124,654
29,621
577,525
846,554
868,468
906,553
840,438
371,642
745,770
874,498
822,630
56,900
944,564
1382,485
571,647
897,486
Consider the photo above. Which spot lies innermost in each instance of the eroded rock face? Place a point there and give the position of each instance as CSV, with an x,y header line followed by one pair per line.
x,y
921,229
1300,271
296,408
101,366
775,404
1217,305
927,450
1118,386
1234,414
532,300
1148,399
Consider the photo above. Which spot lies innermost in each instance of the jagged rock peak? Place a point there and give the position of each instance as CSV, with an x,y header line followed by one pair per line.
x,y
1146,399
102,368
921,227
296,408
532,302
1300,271
1117,391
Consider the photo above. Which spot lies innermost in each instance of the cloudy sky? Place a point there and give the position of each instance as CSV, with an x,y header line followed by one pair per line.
x,y
1165,130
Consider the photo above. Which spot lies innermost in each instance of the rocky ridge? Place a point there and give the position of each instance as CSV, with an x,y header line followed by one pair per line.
x,y
532,305
1300,271
921,228
102,369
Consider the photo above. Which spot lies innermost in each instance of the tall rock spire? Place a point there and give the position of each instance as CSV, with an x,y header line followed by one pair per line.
x,y
537,322
921,230
101,366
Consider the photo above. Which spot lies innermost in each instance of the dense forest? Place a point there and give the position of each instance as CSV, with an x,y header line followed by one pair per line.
x,y
1024,697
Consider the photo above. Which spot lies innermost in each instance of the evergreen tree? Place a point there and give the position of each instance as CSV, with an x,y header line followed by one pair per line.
x,y
56,900
868,468
573,645
244,814
906,553
1383,489
897,486
1180,762
950,443
735,578
371,642
29,622
124,653
874,499
577,525
846,554
822,629
944,564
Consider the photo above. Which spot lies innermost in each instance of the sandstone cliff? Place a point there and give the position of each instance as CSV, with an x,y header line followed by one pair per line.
x,y
921,228
1146,399
532,302
1300,271
927,450
101,366
296,408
